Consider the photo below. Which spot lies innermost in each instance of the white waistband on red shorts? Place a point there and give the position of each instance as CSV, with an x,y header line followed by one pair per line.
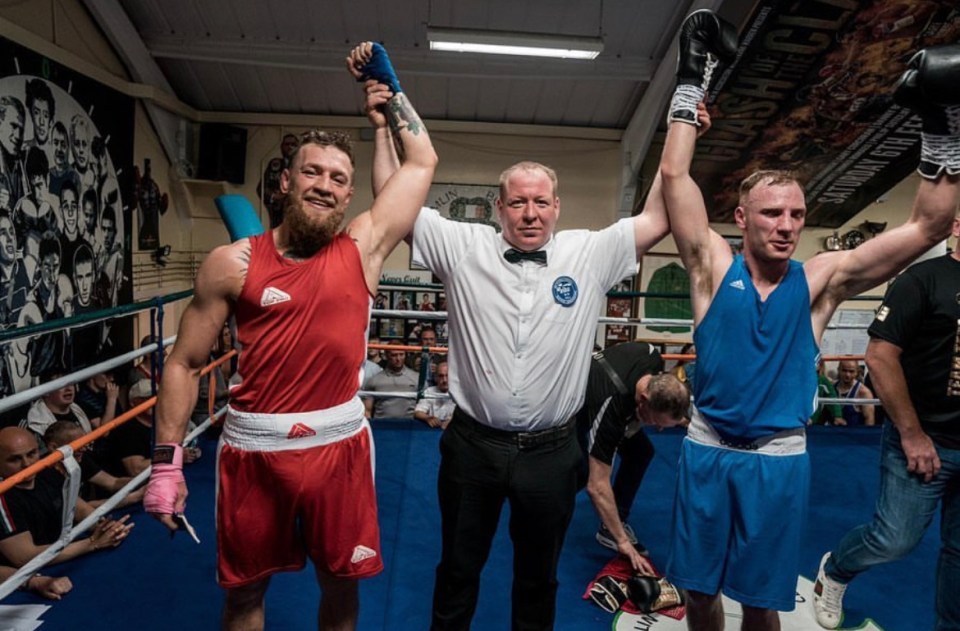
x,y
253,431
786,443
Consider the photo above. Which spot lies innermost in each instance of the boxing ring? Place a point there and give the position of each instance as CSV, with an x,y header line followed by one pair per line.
x,y
157,581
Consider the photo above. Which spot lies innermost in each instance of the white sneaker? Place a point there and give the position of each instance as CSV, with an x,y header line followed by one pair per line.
x,y
828,598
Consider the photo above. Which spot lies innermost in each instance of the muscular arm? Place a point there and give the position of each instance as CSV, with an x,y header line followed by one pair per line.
x,y
395,209
883,360
601,494
704,253
218,283
837,276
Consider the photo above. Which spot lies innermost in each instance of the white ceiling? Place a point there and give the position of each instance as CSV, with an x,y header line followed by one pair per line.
x,y
286,57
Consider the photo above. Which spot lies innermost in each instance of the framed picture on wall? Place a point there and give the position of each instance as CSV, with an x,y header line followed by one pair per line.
x,y
663,276
620,307
391,328
470,203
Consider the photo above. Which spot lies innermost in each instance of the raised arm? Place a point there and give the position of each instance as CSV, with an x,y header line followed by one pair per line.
x,y
930,87
704,39
398,203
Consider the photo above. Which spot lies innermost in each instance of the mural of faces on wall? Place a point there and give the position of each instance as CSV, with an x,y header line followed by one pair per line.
x,y
60,217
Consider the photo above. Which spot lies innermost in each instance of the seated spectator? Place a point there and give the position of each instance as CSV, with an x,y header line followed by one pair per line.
x,y
52,407
129,447
395,377
63,433
49,587
849,386
436,412
31,513
98,397
825,414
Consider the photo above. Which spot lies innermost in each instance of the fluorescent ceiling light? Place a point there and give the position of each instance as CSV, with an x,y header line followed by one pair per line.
x,y
505,43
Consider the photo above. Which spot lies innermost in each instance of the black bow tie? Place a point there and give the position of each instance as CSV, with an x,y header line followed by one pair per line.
x,y
515,256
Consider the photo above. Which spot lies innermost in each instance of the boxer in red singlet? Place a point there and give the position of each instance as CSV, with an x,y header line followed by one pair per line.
x,y
295,464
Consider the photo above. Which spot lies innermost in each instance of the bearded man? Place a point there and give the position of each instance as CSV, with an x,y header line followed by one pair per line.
x,y
295,474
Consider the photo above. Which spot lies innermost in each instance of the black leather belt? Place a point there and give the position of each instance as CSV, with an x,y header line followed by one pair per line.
x,y
523,440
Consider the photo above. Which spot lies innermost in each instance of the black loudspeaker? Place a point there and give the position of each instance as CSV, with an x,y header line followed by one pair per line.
x,y
223,153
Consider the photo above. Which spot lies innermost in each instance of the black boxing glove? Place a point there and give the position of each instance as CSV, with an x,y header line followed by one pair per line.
x,y
931,87
609,592
705,41
651,594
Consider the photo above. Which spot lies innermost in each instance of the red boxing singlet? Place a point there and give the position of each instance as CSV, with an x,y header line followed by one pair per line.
x,y
302,328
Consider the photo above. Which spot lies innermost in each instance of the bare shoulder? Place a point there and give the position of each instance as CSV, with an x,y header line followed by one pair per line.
x,y
223,271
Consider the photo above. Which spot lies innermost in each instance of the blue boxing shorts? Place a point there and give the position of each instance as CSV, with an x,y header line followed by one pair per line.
x,y
738,517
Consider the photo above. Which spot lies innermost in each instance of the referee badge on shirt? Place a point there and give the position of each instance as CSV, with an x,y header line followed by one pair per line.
x,y
565,291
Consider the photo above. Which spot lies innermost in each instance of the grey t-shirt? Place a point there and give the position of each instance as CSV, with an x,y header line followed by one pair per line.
x,y
386,381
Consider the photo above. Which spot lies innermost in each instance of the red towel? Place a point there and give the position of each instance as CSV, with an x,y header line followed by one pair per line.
x,y
620,567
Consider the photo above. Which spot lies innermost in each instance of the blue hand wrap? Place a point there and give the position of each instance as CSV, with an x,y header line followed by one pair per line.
x,y
381,70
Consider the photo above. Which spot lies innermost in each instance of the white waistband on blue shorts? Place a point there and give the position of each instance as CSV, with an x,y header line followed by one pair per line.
x,y
253,431
786,443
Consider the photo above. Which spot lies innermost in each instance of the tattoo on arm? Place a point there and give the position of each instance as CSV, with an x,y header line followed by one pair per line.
x,y
400,115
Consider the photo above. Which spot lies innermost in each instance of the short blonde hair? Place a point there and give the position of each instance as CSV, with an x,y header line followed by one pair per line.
x,y
768,177
527,165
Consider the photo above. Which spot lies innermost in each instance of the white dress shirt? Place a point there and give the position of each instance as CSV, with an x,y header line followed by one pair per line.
x,y
521,334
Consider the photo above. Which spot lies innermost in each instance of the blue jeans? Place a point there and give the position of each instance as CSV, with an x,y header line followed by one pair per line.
x,y
905,508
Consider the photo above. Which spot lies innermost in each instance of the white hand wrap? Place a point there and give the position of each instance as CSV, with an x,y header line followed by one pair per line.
x,y
683,106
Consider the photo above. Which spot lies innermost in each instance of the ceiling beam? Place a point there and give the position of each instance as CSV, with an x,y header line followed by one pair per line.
x,y
126,42
643,124
414,62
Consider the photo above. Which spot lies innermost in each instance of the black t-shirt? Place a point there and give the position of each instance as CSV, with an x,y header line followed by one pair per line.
x,y
920,314
606,412
130,439
38,510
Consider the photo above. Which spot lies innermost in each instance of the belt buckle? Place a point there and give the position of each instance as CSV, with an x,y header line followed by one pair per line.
x,y
526,439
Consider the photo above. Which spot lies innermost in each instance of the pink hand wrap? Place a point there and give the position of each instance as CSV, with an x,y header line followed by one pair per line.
x,y
166,479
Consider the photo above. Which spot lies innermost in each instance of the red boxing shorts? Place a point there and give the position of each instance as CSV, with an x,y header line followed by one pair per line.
x,y
278,505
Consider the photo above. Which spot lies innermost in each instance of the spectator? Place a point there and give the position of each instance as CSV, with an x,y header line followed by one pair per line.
x,y
129,446
427,339
31,513
436,412
825,414
55,406
63,433
395,378
98,397
849,386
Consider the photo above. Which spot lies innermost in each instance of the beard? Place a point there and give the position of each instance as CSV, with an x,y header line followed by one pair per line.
x,y
307,235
